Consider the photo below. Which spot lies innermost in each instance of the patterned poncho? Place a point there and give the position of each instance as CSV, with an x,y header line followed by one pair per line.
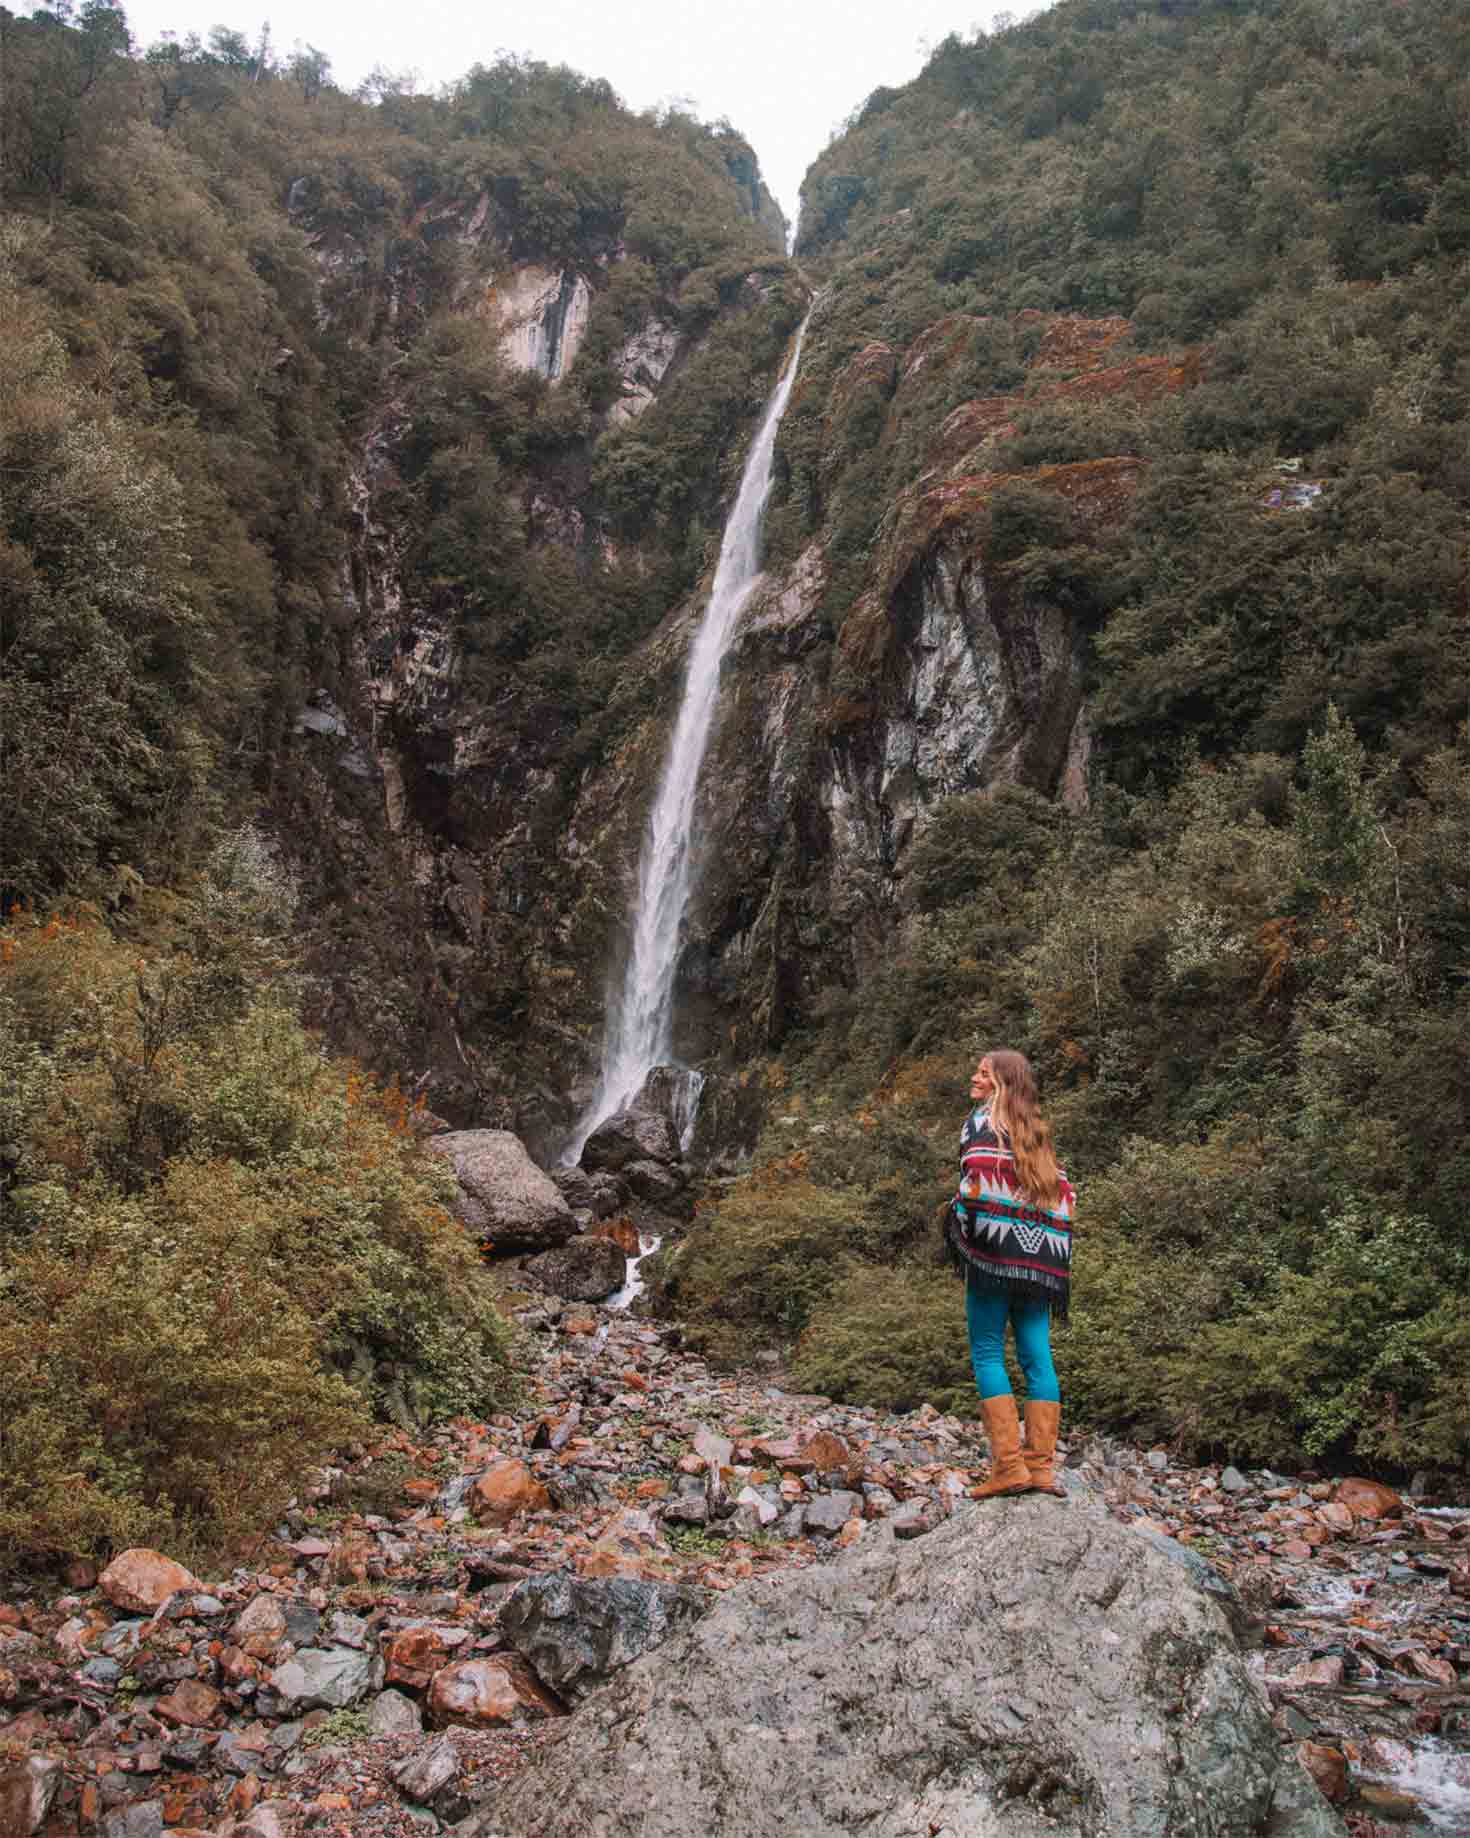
x,y
998,1232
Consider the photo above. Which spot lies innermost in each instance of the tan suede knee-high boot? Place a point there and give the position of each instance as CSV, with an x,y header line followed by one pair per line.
x,y
1008,1473
1042,1422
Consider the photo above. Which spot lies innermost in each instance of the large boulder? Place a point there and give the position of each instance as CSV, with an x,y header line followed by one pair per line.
x,y
503,1196
631,1136
575,1187
141,1580
1030,1669
577,1631
583,1270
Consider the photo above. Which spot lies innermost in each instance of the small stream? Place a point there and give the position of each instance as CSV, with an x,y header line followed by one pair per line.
x,y
633,1286
1388,1620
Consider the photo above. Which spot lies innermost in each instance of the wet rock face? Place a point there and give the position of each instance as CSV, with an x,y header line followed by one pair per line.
x,y
503,1196
1027,1668
543,314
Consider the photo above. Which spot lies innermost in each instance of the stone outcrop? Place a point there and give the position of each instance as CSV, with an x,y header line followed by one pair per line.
x,y
1029,1668
504,1198
642,363
543,313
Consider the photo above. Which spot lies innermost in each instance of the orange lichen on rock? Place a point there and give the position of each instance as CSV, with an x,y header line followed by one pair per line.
x,y
1097,489
1072,343
964,428
863,640
874,366
1144,379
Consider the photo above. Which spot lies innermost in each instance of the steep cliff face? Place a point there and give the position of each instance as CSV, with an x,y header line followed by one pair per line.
x,y
1009,357
953,667
950,671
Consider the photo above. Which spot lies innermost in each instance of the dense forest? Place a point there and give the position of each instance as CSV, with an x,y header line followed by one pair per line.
x,y
1210,254
1241,968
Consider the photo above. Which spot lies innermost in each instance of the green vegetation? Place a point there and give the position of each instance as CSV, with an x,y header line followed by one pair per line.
x,y
1246,999
341,1725
245,376
222,1253
1241,971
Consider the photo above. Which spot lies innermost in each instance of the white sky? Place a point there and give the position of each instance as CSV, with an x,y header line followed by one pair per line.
x,y
785,72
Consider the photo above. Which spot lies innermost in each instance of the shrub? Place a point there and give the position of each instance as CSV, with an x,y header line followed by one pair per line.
x,y
890,1336
165,1388
221,1252
1342,1354
756,1268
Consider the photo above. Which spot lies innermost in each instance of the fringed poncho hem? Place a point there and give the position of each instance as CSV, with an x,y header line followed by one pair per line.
x,y
1043,1286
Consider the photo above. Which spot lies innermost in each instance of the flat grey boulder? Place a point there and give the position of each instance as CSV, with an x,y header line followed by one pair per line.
x,y
582,1270
503,1196
630,1136
575,1632
326,1678
1031,1669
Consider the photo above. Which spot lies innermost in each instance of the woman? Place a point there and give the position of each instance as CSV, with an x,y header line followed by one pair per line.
x,y
1009,1232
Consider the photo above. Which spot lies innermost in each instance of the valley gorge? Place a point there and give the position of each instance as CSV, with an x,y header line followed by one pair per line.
x,y
548,718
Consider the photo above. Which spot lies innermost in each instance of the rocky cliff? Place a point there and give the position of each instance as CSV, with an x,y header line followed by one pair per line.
x,y
842,727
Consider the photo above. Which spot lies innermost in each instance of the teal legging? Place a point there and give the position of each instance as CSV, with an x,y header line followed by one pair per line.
x,y
987,1311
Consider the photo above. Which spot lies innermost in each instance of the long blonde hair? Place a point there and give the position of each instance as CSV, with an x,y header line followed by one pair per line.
x,y
1015,1113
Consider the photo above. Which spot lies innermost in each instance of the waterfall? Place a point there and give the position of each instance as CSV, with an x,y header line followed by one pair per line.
x,y
640,1023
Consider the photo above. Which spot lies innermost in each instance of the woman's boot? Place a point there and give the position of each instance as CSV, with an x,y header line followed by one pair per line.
x,y
1042,1421
1008,1472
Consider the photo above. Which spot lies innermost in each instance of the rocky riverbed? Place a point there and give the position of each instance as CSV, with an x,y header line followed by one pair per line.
x,y
423,1621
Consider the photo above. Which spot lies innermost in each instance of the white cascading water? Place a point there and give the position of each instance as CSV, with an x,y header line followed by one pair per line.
x,y
640,1027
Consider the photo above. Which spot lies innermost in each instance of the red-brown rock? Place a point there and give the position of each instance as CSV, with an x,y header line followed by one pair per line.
x,y
1368,1499
1429,1666
824,1453
235,1664
505,1490
191,1703
1327,1767
142,1580
414,1656
622,1232
485,1692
